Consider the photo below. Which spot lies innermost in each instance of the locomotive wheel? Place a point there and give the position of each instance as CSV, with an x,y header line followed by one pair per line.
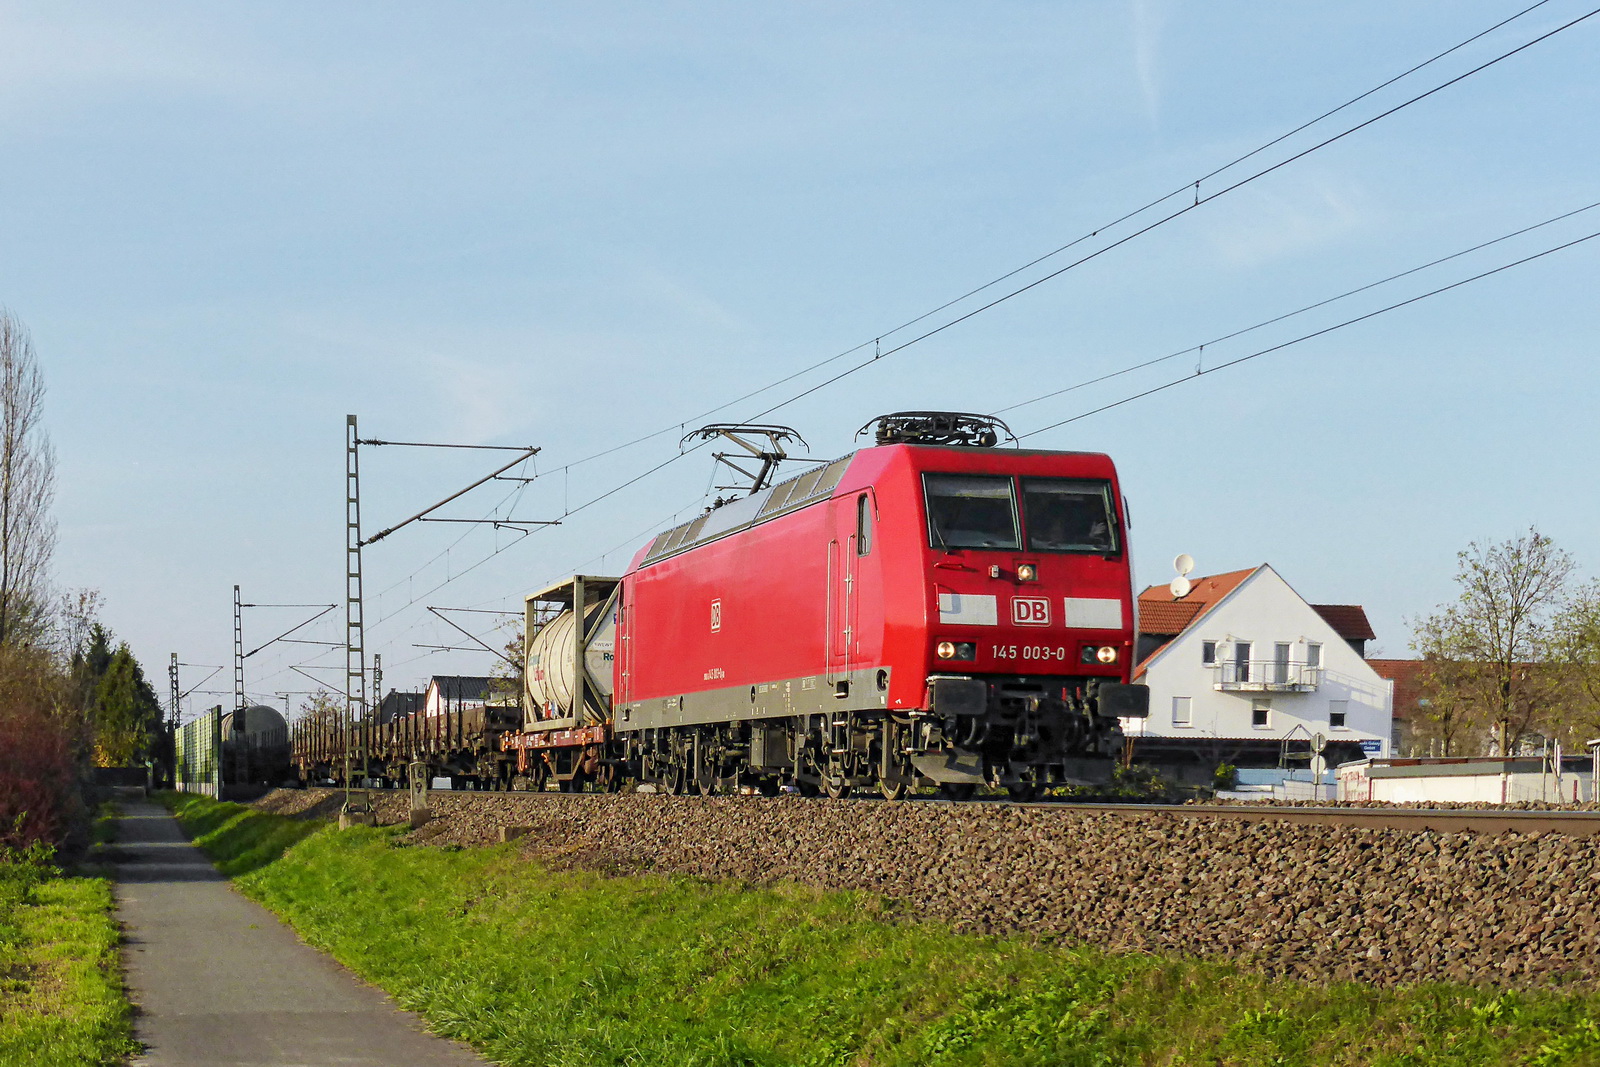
x,y
705,779
836,787
671,778
956,790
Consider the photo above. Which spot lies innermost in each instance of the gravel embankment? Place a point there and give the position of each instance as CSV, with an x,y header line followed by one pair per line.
x,y
1324,903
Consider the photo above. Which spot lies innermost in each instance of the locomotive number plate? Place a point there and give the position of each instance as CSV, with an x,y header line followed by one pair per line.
x,y
1053,653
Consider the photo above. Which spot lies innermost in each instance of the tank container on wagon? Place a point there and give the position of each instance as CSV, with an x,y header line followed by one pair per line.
x,y
568,671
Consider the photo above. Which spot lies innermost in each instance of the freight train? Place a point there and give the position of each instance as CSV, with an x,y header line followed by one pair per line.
x,y
934,610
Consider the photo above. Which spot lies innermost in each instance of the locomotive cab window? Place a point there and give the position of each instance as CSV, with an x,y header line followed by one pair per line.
x,y
971,511
863,525
1069,515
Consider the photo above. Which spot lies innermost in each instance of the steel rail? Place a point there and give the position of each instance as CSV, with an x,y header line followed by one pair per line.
x,y
1441,820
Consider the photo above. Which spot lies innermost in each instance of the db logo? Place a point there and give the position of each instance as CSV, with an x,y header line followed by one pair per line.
x,y
1030,611
716,615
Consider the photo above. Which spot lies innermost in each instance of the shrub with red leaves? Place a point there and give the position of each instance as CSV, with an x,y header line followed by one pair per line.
x,y
40,756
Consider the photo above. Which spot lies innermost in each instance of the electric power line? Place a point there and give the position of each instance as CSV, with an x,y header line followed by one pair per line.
x,y
1313,334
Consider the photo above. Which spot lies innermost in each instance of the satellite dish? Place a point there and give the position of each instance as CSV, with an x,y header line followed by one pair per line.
x,y
1180,587
1183,564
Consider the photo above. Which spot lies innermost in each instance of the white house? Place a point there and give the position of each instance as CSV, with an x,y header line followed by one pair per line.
x,y
1241,668
450,693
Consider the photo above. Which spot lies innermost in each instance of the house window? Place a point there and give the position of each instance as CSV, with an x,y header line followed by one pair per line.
x,y
1280,663
1313,655
1336,713
1180,711
1208,653
1241,661
1261,714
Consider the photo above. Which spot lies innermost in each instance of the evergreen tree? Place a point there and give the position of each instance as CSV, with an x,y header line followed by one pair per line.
x,y
125,713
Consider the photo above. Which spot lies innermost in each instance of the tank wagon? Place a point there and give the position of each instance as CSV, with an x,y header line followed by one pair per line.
x,y
255,746
930,610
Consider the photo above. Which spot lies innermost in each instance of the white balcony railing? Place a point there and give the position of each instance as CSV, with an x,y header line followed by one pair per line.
x,y
1266,676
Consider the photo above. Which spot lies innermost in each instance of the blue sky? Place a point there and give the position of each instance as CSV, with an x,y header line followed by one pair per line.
x,y
568,225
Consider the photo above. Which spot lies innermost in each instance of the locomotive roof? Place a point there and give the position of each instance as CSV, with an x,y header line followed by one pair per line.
x,y
810,487
790,495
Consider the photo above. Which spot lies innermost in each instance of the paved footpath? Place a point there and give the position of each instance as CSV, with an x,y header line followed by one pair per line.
x,y
218,981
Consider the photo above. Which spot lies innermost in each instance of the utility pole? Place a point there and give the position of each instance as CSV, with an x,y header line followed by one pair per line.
x,y
171,777
358,803
238,651
357,806
377,681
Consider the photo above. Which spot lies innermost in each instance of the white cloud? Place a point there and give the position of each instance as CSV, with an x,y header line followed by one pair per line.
x,y
1260,229
479,402
1147,26
96,49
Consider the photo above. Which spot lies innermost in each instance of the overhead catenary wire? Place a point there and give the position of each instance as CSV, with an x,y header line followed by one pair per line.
x,y
1313,334
1181,190
1202,346
1181,211
1191,186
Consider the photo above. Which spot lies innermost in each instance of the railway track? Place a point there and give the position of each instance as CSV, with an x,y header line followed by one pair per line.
x,y
1442,820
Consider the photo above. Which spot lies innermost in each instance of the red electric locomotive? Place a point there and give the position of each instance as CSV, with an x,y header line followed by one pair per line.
x,y
933,609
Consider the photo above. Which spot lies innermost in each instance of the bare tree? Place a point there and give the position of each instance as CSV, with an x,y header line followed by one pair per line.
x,y
1496,646
1448,716
27,490
1577,630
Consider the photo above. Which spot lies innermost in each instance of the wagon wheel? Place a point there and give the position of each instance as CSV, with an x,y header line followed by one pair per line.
x,y
607,780
1028,786
895,789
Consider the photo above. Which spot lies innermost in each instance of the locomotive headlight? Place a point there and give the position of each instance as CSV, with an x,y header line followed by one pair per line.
x,y
1106,654
1027,572
965,650
945,650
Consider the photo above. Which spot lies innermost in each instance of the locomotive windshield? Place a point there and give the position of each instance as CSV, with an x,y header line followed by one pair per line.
x,y
971,511
1066,515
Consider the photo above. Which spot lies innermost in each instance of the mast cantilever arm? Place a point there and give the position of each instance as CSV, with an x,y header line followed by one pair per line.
x,y
522,454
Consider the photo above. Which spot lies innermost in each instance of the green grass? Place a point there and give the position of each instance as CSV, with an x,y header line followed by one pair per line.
x,y
61,997
558,968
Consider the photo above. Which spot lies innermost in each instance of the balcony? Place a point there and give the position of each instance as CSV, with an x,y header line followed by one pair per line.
x,y
1265,676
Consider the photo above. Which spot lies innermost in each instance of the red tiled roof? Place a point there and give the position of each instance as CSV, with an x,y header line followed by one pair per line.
x,y
1406,674
1166,618
1348,620
1161,613
1205,591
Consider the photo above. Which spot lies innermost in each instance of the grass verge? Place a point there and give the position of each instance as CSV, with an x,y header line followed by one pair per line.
x,y
61,996
560,968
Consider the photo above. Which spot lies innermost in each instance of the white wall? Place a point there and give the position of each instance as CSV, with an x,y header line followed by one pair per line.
x,y
1264,610
1445,788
